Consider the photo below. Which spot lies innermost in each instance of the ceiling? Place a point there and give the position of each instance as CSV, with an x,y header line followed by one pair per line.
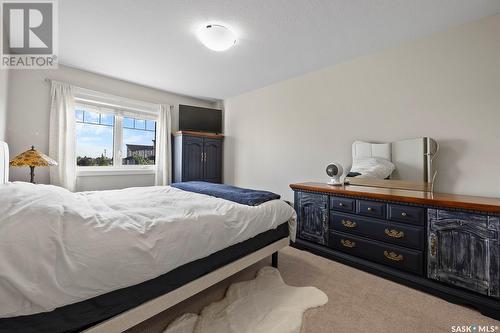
x,y
153,42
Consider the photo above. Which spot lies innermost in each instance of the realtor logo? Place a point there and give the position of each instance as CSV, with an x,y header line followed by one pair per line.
x,y
29,34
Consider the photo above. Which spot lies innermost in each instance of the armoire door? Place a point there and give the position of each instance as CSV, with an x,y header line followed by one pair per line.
x,y
312,217
213,160
192,159
464,250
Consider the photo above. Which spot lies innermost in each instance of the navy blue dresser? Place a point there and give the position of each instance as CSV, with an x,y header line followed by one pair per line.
x,y
443,244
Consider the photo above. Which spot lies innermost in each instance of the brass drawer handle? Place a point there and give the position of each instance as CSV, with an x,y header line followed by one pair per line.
x,y
347,243
349,224
393,256
394,233
404,214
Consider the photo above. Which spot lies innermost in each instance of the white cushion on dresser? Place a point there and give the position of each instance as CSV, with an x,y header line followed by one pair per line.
x,y
362,149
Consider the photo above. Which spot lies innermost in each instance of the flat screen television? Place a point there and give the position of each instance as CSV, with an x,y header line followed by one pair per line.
x,y
193,118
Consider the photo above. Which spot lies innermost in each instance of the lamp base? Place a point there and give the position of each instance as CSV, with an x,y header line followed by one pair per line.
x,y
32,174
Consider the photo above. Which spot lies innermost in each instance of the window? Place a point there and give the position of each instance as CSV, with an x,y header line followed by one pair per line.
x,y
94,138
139,137
105,138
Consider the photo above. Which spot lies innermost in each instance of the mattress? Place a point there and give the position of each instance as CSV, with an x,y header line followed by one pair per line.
x,y
58,248
81,315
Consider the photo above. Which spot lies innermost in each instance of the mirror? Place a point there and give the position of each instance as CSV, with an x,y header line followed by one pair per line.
x,y
403,164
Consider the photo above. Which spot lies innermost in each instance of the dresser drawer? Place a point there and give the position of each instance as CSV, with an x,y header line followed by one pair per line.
x,y
342,204
390,255
371,208
407,214
400,234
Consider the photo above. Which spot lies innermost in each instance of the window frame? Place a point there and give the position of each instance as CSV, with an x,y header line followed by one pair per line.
x,y
118,168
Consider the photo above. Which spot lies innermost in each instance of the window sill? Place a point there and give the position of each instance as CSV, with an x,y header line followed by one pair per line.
x,y
104,171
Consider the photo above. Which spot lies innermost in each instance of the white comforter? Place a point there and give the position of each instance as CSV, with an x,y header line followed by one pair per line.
x,y
58,247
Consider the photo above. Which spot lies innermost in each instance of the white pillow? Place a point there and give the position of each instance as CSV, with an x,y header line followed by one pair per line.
x,y
372,167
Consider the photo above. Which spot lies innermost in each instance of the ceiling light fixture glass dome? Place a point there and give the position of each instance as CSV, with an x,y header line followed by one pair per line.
x,y
216,37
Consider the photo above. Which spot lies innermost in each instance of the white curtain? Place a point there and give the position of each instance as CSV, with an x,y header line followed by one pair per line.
x,y
62,136
164,145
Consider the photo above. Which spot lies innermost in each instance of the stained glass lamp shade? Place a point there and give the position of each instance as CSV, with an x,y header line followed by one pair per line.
x,y
32,158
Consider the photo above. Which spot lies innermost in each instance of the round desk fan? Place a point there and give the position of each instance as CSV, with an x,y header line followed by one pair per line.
x,y
335,171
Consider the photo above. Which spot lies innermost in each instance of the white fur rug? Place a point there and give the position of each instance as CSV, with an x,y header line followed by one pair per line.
x,y
265,304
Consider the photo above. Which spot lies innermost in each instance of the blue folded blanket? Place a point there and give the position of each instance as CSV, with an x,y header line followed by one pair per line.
x,y
240,195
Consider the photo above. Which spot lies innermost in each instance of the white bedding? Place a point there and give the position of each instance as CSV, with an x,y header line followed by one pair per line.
x,y
372,167
58,247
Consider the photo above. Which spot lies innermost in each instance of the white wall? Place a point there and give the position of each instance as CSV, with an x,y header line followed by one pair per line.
x,y
4,79
111,182
28,118
446,86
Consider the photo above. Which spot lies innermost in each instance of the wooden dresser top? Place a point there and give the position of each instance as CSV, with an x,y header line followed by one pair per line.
x,y
483,204
199,134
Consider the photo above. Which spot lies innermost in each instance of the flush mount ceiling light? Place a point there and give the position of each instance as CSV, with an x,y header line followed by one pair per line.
x,y
216,37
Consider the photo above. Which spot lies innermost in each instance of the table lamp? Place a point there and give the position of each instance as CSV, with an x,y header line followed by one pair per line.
x,y
32,158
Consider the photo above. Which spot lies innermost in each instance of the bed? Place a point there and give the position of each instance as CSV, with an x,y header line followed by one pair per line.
x,y
105,261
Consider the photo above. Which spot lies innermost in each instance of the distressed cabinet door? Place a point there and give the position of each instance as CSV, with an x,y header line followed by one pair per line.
x,y
192,159
213,160
464,250
312,211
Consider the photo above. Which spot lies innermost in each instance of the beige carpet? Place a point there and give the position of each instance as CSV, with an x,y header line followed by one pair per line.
x,y
358,301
